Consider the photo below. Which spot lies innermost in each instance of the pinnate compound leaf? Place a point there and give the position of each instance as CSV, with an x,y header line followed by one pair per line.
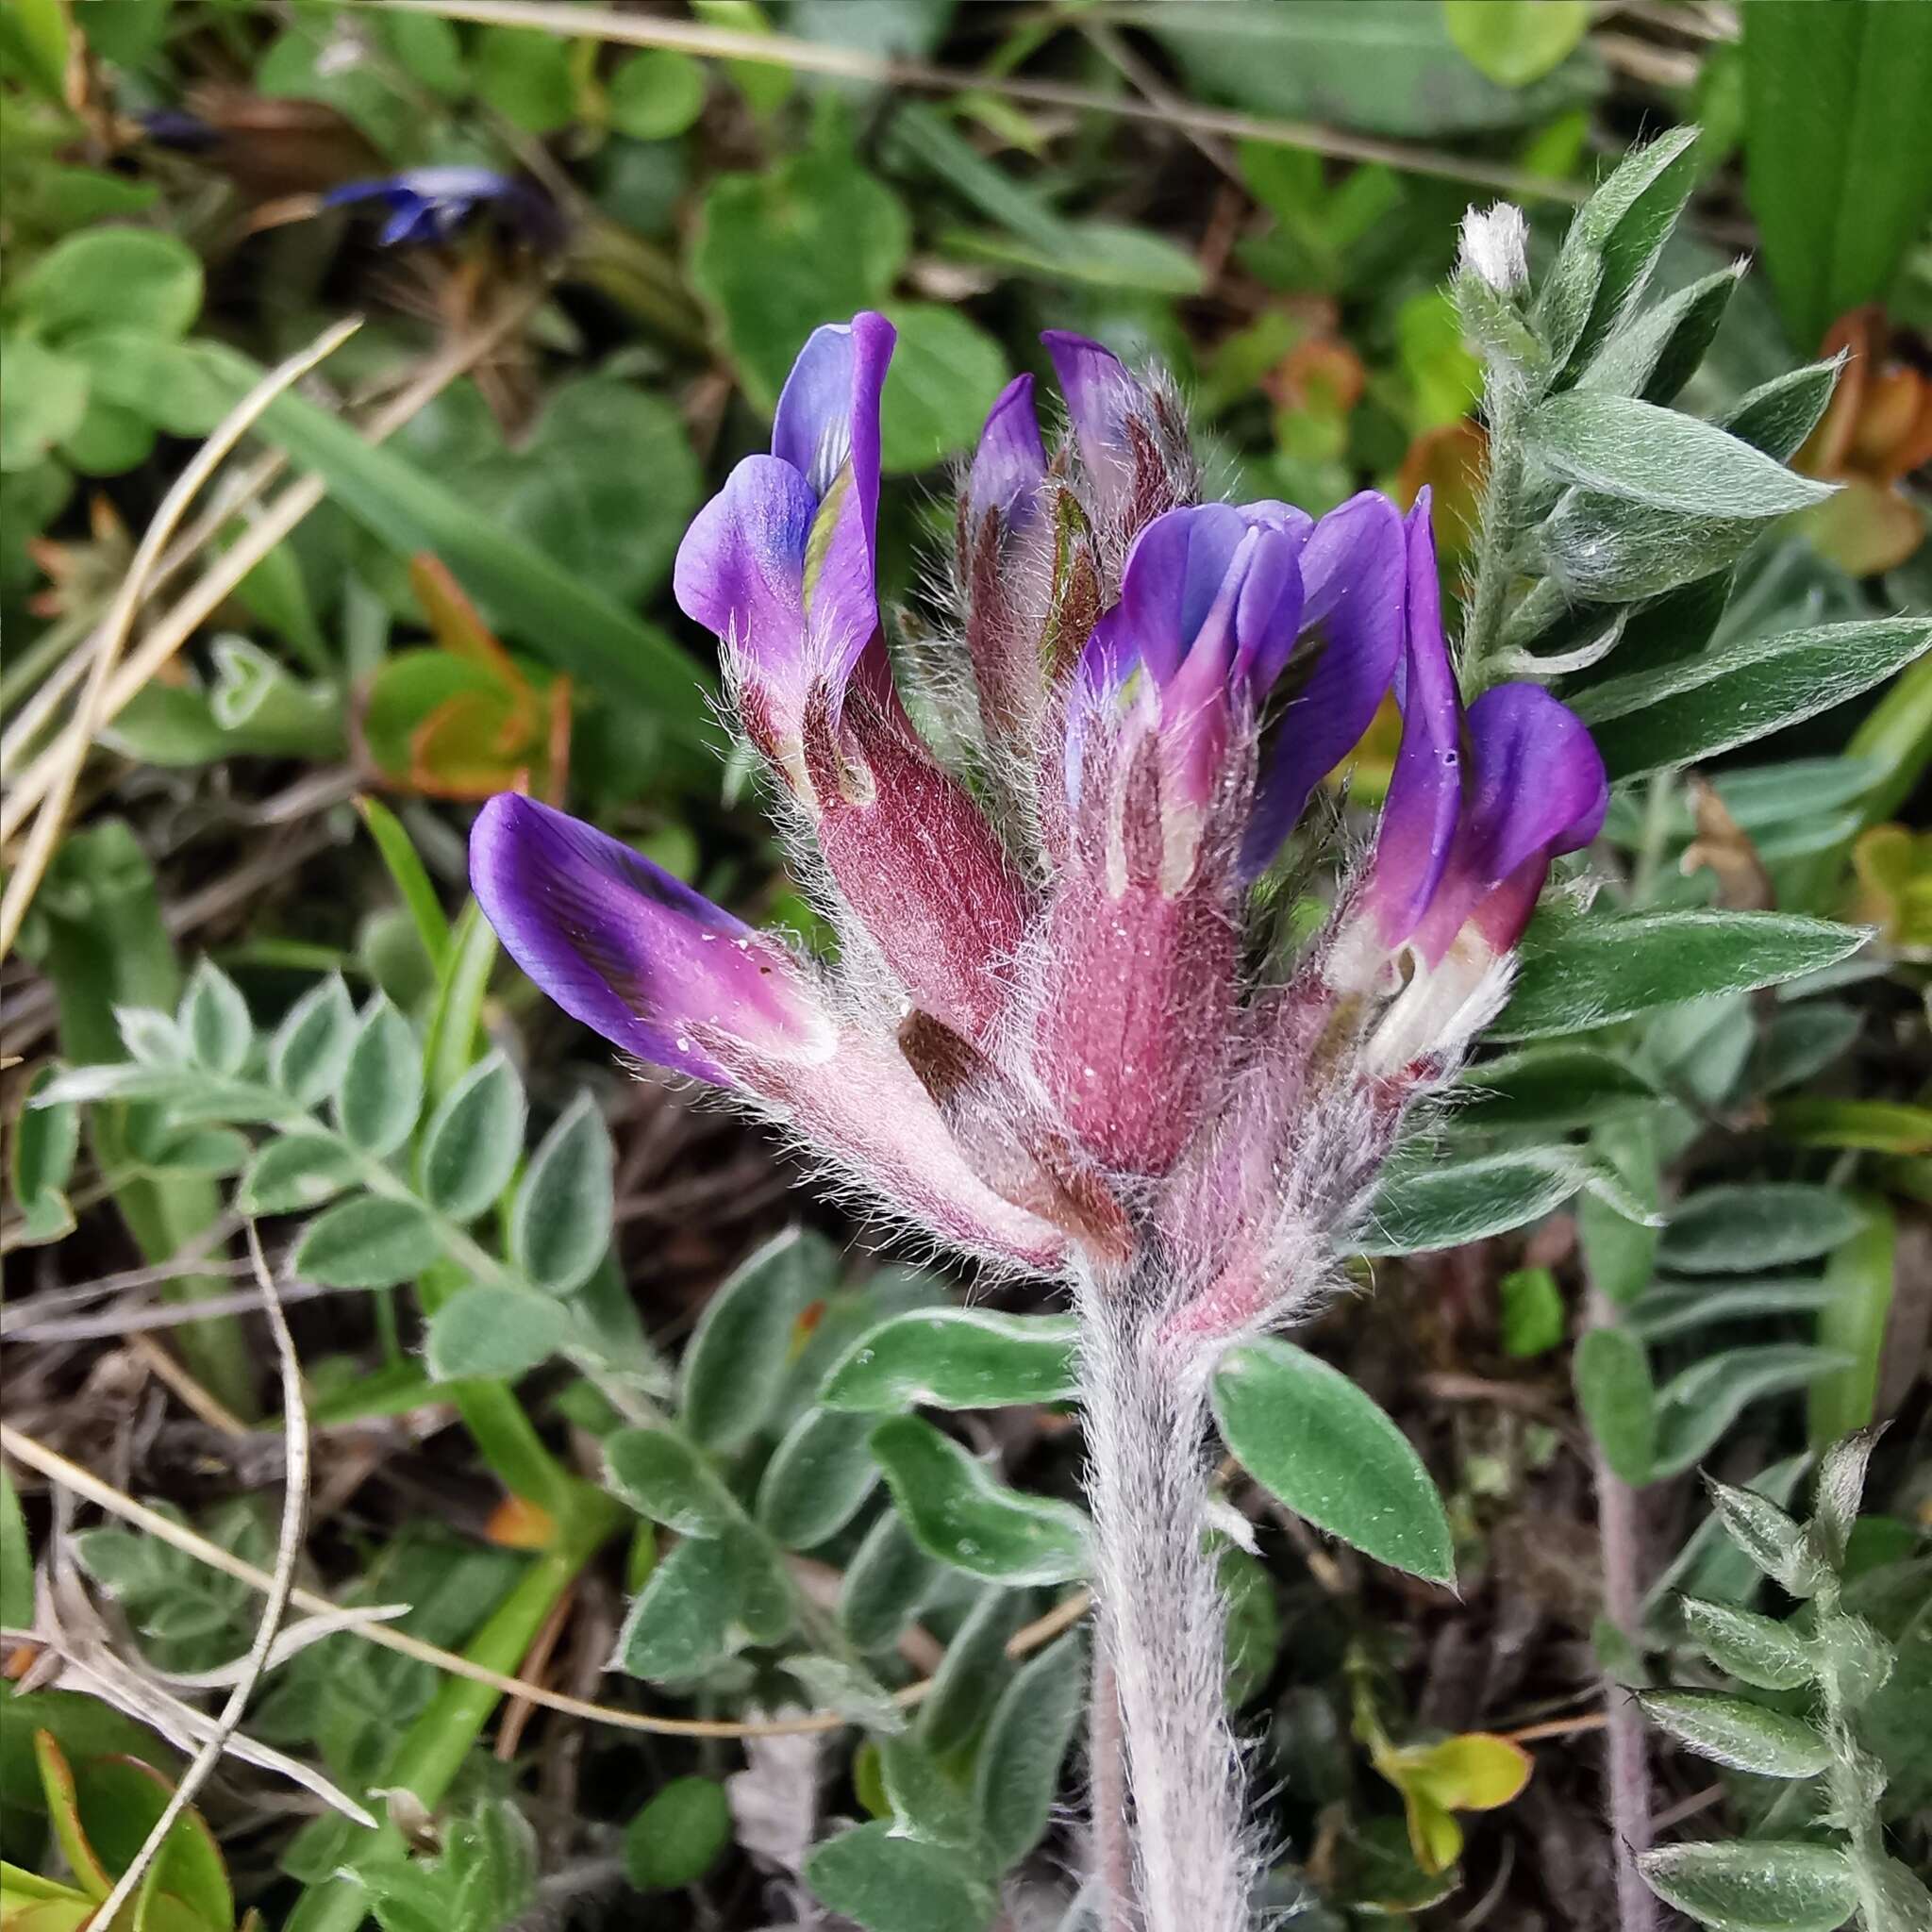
x,y
735,1365
1595,972
1018,1762
1697,1406
964,1515
1724,698
818,1478
1757,1225
470,1146
1743,1736
1618,1401
958,1359
310,1048
1309,1436
662,1476
1754,1649
1755,1886
381,1090
886,1883
559,1224
367,1241
297,1172
501,1332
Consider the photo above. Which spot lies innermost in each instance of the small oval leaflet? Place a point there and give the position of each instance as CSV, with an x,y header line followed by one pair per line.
x,y
957,1358
1309,1436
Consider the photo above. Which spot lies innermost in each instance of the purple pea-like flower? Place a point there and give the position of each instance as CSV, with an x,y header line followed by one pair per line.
x,y
1051,1034
433,204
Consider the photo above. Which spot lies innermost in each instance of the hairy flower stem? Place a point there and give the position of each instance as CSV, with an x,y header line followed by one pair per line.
x,y
1162,1614
1495,542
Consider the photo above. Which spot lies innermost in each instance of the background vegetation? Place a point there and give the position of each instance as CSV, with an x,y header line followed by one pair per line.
x,y
581,1368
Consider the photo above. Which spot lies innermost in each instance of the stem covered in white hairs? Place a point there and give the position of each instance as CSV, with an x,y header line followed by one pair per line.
x,y
1163,1617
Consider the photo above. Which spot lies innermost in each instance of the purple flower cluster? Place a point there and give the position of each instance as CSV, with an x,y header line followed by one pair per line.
x,y
1051,1034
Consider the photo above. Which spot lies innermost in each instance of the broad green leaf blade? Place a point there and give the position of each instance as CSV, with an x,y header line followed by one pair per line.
x,y
1622,448
1618,1399
310,1047
499,1332
971,1675
1837,152
680,1621
927,1804
678,1836
1515,45
1552,1089
1738,1735
885,1581
663,1477
1696,1407
1752,1886
735,1364
381,1091
542,604
214,1021
1863,1279
885,1883
1679,1307
1727,697
1757,1225
1313,1438
958,1359
818,1478
1419,1209
297,1172
1768,1537
470,1146
964,1515
1595,972
559,1224
1019,1763
1754,1649
367,1241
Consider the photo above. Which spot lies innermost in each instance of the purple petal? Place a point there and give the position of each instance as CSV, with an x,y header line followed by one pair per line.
x,y
740,573
1011,462
1352,569
1101,397
828,428
1536,787
634,953
1426,788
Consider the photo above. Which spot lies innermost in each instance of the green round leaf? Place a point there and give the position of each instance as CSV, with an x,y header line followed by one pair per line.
x,y
310,1048
560,1225
297,1172
499,1332
1513,43
1750,1885
890,1884
46,400
367,1241
214,1021
526,76
381,1092
660,1475
1309,1436
471,1146
678,1836
118,277
656,94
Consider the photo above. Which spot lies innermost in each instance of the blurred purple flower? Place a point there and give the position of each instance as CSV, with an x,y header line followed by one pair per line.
x,y
432,204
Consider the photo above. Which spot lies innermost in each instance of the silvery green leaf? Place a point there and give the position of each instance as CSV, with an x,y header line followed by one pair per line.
x,y
663,1477
1852,1654
927,1804
1754,1886
957,1358
152,1038
311,1046
1742,690
1018,1762
470,1146
833,1683
1622,447
498,1332
1418,1209
1607,549
681,1623
1743,1736
885,1883
297,1172
1775,1543
1594,972
213,1020
46,1137
1778,415
1753,1225
1699,1404
885,1581
1311,1436
559,1224
1754,1649
1617,1398
1658,351
367,1241
735,1365
1678,1308
1804,1041
381,1090
818,1478
1552,1089
961,1513
972,1672
1841,1484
